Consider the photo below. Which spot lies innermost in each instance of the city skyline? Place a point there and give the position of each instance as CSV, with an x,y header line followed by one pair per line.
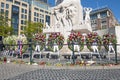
x,y
113,5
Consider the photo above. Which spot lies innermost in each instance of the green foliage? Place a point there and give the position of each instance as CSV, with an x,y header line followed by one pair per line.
x,y
32,28
5,29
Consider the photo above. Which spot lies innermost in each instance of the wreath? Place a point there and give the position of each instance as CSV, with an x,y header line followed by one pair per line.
x,y
75,38
41,40
109,38
93,38
55,38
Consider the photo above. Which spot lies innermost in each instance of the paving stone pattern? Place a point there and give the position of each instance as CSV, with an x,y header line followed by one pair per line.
x,y
11,70
70,74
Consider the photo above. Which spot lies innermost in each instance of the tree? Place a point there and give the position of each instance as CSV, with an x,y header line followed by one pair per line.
x,y
32,28
5,29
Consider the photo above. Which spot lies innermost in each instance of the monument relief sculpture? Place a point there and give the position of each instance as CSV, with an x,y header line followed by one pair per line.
x,y
68,16
66,13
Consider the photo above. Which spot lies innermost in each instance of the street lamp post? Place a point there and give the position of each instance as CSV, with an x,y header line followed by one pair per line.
x,y
116,54
30,49
73,56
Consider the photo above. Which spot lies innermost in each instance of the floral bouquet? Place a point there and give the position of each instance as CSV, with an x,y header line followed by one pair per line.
x,y
93,38
75,38
109,38
55,38
41,40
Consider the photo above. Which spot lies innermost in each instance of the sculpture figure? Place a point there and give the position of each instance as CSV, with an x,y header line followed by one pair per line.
x,y
47,26
87,14
67,13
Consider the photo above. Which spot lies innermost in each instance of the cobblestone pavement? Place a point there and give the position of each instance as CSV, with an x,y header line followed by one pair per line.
x,y
30,72
11,70
68,74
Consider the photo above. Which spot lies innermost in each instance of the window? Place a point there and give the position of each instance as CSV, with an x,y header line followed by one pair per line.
x,y
41,16
7,6
16,2
25,16
42,21
35,13
10,0
22,10
104,26
22,22
25,11
34,19
94,16
7,12
2,10
22,27
41,10
46,12
103,14
37,19
2,5
25,5
22,16
36,9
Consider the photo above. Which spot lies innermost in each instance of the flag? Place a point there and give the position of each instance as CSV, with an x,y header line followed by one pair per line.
x,y
20,47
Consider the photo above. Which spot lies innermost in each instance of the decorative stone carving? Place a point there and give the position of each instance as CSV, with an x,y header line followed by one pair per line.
x,y
47,26
87,14
68,16
67,13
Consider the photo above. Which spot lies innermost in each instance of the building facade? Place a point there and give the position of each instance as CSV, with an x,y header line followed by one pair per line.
x,y
102,18
20,11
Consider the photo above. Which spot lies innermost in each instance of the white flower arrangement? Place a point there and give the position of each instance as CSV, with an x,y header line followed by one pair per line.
x,y
11,42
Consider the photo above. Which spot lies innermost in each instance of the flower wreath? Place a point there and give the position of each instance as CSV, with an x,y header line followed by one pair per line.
x,y
75,38
55,38
41,40
109,38
91,38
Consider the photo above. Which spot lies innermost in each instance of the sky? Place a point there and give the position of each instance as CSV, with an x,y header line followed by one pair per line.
x,y
114,5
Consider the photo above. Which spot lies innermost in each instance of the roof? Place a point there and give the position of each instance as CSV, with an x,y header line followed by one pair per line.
x,y
100,10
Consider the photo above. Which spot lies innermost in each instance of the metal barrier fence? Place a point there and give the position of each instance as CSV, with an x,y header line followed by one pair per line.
x,y
100,55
